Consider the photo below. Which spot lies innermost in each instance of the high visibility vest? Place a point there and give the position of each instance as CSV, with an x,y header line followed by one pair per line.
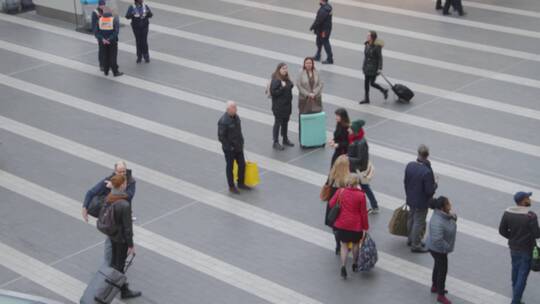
x,y
106,23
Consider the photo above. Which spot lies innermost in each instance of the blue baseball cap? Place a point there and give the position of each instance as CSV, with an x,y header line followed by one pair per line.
x,y
519,196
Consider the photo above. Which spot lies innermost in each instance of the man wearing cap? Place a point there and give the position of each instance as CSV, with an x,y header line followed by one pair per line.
x,y
107,34
96,14
520,226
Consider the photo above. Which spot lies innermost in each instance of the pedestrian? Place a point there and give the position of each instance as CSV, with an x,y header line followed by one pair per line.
x,y
336,179
122,241
281,91
309,88
96,14
232,143
322,26
340,141
140,13
373,64
103,188
456,5
352,221
358,152
520,226
107,32
420,186
440,242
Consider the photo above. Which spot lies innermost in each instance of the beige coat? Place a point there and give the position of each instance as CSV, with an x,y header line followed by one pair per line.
x,y
302,83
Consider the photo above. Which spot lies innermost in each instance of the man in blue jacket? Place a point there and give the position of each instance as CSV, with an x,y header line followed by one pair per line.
x,y
107,32
420,186
322,26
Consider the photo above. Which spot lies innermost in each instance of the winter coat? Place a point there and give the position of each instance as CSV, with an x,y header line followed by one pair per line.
x,y
353,215
520,226
122,217
373,60
230,133
420,185
323,21
305,106
107,29
139,15
96,14
281,98
358,153
101,189
442,232
341,137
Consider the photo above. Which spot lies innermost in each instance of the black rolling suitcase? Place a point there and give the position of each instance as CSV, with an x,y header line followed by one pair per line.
x,y
403,93
105,285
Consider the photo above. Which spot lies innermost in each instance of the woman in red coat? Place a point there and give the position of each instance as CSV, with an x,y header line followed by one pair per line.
x,y
352,220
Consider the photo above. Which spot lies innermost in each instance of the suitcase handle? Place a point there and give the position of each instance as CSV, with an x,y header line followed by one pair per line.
x,y
129,262
386,79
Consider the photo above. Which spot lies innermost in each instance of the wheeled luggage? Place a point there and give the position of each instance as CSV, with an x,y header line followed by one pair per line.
x,y
398,222
403,93
313,130
11,6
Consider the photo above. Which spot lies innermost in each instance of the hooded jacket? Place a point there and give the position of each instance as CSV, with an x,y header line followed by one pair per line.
x,y
520,226
442,232
373,60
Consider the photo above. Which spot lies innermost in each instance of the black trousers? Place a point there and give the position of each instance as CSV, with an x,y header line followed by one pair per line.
x,y
324,41
230,157
440,269
456,4
119,255
283,124
370,81
110,55
141,39
100,54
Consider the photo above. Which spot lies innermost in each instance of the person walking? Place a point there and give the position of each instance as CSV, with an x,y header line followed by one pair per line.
x,y
140,13
340,141
440,242
520,226
358,152
309,88
456,5
122,240
322,26
372,66
281,91
96,15
107,32
336,179
232,143
420,186
352,221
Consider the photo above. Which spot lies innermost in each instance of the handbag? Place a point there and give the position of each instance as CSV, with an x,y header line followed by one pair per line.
x,y
367,175
326,191
398,222
251,176
535,262
335,211
368,256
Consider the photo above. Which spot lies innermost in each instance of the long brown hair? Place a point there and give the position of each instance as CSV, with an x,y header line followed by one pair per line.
x,y
277,74
312,63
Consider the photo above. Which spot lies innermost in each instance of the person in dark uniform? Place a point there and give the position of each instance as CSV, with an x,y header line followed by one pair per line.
x,y
96,14
456,5
372,67
107,33
139,13
322,26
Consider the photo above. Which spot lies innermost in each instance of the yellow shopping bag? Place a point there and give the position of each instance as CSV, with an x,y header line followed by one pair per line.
x,y
251,178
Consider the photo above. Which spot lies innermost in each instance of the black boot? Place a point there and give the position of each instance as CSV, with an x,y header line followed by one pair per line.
x,y
365,101
139,59
117,73
287,142
277,146
128,293
385,93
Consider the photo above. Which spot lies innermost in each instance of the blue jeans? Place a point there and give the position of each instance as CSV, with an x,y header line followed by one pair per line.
x,y
107,250
521,266
372,200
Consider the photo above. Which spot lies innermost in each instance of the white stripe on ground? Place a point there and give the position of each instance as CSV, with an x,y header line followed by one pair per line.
x,y
405,118
229,274
465,175
446,94
39,272
438,18
410,34
392,264
466,227
500,9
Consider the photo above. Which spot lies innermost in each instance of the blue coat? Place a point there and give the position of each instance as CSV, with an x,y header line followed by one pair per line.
x,y
420,184
101,189
442,232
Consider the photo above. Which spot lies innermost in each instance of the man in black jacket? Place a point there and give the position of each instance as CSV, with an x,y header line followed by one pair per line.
x,y
322,26
232,143
520,226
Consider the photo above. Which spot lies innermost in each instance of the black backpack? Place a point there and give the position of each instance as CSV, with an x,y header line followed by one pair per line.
x,y
106,222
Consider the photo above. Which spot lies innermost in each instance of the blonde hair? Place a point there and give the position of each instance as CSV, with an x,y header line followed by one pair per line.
x,y
339,172
353,180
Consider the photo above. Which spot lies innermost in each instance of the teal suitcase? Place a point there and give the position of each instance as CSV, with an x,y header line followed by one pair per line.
x,y
313,130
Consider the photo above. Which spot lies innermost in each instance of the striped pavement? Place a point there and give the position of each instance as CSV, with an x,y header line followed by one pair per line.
x,y
63,125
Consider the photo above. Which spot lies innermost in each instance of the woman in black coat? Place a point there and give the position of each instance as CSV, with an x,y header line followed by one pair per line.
x,y
372,66
281,91
340,142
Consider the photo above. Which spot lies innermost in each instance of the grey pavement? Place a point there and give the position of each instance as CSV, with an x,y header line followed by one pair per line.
x,y
229,247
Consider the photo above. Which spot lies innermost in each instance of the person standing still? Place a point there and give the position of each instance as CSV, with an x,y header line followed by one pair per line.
x,y
107,32
520,226
96,14
232,143
372,66
420,186
322,26
281,91
139,13
309,87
